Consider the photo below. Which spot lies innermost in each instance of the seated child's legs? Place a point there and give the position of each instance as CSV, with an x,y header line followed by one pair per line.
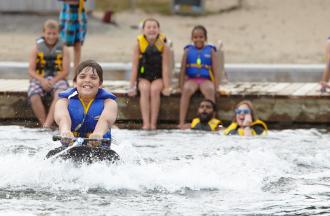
x,y
156,87
50,116
208,90
144,88
58,87
189,88
155,91
35,94
35,88
38,108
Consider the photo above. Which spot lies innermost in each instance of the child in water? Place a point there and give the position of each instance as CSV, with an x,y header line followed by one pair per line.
x,y
245,122
206,117
150,71
48,69
198,71
87,110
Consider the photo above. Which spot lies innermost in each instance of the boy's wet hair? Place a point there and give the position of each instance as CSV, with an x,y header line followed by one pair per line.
x,y
200,27
151,20
214,106
96,67
50,24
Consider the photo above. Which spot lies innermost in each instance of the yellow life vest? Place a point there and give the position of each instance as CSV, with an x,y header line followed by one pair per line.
x,y
213,124
240,131
49,59
144,43
150,58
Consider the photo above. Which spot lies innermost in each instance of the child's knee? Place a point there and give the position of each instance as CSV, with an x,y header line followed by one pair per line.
x,y
188,88
144,89
208,88
34,98
156,89
188,92
155,93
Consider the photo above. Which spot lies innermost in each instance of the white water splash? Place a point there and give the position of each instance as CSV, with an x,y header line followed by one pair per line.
x,y
224,174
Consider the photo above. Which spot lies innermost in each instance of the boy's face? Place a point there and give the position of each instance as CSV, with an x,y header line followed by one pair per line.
x,y
51,36
88,82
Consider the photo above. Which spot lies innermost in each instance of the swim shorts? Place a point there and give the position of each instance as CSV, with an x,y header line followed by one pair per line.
x,y
36,88
73,24
198,80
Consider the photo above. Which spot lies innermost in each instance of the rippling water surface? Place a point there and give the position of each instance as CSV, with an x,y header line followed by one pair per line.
x,y
169,173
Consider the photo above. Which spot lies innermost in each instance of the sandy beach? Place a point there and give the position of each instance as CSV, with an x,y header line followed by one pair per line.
x,y
261,31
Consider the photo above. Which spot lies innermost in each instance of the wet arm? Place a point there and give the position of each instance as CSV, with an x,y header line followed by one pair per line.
x,y
107,118
62,116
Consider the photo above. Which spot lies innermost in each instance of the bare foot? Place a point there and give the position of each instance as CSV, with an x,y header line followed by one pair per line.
x,y
183,126
145,127
46,125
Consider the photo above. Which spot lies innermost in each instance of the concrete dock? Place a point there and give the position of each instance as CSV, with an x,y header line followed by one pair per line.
x,y
280,103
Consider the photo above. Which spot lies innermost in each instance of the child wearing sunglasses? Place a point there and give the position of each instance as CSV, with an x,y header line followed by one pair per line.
x,y
245,122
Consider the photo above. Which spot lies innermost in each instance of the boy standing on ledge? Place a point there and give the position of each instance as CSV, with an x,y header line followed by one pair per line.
x,y
73,26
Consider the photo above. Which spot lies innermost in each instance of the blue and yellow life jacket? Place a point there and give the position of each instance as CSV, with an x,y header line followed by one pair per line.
x,y
49,59
150,59
84,117
212,125
258,127
199,61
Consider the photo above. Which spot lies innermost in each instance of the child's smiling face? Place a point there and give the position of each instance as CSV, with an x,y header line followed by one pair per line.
x,y
51,36
198,38
151,29
88,83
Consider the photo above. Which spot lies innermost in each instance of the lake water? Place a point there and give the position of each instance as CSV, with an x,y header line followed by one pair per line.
x,y
169,172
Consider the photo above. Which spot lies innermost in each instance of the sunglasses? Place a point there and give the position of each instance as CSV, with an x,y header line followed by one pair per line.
x,y
242,111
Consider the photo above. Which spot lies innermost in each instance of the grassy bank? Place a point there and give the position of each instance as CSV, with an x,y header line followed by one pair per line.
x,y
149,6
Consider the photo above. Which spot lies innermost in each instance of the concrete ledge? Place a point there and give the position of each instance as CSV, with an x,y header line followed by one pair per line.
x,y
283,103
236,72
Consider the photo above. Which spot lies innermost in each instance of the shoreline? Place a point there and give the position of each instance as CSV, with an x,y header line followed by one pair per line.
x,y
260,32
